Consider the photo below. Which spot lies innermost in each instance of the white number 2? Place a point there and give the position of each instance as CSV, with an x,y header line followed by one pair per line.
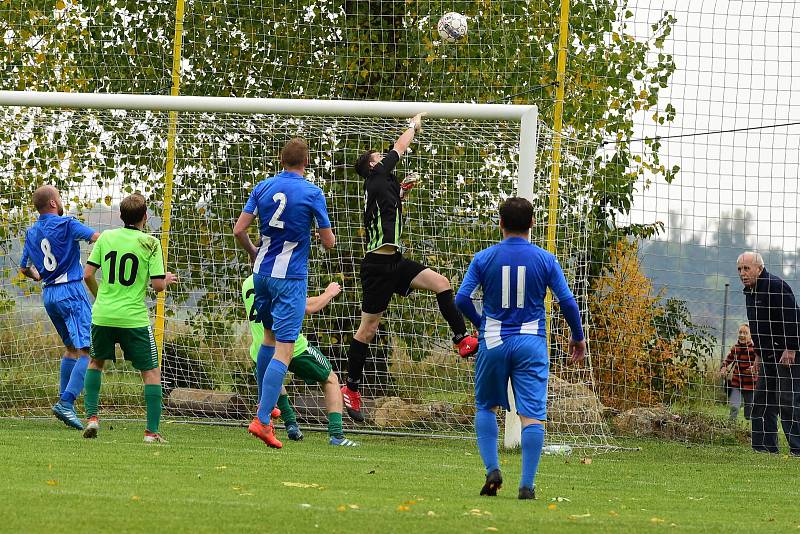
x,y
50,262
276,218
507,286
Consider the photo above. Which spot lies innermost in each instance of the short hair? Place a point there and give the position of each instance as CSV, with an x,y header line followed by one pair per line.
x,y
362,163
516,214
294,153
132,209
757,258
744,325
42,197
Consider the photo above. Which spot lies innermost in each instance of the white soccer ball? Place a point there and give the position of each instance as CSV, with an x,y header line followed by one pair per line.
x,y
452,27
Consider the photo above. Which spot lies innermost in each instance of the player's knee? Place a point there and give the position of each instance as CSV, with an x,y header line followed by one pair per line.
x,y
332,379
440,283
96,364
368,329
71,352
269,338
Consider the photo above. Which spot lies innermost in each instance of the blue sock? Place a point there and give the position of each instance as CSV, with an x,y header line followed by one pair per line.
x,y
271,389
265,355
75,384
532,441
486,430
66,369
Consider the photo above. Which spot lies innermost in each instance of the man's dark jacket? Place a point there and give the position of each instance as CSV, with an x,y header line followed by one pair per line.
x,y
772,314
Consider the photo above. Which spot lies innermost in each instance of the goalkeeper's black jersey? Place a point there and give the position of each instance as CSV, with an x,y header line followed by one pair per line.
x,y
383,212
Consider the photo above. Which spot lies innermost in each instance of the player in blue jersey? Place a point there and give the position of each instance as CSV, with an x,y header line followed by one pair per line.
x,y
514,276
286,205
52,255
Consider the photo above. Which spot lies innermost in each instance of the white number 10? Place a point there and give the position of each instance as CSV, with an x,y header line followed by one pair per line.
x,y
507,286
276,218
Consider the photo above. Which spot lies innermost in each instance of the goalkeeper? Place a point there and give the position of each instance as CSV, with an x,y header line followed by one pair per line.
x,y
384,270
514,276
307,363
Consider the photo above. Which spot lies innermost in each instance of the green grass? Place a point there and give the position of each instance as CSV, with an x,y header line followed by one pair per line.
x,y
210,479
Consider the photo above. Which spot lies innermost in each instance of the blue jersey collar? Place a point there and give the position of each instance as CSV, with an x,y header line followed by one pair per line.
x,y
48,215
289,174
516,241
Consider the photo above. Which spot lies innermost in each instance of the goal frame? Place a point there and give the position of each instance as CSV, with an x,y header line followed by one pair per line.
x,y
525,115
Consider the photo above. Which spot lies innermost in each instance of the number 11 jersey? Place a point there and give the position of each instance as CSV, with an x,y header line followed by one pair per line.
x,y
128,259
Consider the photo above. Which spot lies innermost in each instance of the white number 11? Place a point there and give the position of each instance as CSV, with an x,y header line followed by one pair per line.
x,y
507,286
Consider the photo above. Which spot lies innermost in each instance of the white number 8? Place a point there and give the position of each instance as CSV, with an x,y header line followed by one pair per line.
x,y
276,218
50,262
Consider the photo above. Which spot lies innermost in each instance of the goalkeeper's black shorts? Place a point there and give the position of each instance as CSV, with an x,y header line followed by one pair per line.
x,y
384,275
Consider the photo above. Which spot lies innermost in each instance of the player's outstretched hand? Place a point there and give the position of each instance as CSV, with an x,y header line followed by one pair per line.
x,y
416,121
577,351
333,289
170,278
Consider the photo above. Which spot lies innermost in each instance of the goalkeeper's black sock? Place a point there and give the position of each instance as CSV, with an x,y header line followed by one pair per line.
x,y
447,307
356,357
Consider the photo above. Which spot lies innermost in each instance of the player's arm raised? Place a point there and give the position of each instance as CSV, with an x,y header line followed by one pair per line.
x,y
315,304
404,141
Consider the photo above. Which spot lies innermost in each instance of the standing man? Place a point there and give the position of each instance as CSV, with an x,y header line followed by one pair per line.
x,y
286,205
514,276
52,255
384,271
130,260
772,314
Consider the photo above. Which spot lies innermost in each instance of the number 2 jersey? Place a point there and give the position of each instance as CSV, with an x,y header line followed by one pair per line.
x,y
128,259
514,276
286,204
52,246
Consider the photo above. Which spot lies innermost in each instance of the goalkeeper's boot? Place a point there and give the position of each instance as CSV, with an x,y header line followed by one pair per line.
x,y
352,403
92,426
265,433
153,437
527,493
494,481
67,415
467,345
293,431
342,442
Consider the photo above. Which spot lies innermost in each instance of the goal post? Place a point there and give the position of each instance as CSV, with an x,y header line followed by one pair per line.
x,y
99,147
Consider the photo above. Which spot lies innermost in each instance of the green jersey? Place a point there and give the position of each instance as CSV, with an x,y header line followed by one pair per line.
x,y
129,258
257,329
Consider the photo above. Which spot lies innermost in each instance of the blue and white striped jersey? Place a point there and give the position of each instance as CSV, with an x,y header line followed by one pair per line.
x,y
286,205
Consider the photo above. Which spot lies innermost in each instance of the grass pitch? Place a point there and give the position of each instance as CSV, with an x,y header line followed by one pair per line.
x,y
212,479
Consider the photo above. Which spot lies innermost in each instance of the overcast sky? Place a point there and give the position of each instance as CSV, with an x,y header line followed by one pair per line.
x,y
738,65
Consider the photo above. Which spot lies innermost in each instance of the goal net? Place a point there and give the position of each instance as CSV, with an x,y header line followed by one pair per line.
x,y
414,382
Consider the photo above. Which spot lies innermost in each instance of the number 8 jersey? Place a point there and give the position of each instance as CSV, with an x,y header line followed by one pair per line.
x,y
286,205
128,258
51,245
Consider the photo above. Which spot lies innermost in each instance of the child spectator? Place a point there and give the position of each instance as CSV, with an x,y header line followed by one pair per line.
x,y
741,366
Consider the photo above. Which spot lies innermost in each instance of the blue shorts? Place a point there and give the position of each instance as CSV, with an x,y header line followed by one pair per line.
x,y
522,359
280,305
69,309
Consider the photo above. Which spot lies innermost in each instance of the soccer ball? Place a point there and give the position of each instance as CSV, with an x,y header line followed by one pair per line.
x,y
452,26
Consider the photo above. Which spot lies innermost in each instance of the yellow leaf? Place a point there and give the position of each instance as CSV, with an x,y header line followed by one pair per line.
x,y
586,461
341,508
40,57
60,4
402,508
136,498
656,520
551,506
353,506
491,529
52,482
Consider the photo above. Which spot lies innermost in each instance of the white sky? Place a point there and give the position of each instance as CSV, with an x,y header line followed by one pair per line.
x,y
738,65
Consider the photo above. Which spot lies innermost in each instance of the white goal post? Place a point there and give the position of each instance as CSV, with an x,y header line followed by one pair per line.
x,y
525,115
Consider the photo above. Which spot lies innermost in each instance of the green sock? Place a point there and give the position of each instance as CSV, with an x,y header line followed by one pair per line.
x,y
287,414
152,400
335,425
91,391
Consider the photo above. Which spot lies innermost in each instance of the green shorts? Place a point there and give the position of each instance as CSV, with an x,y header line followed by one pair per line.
x,y
138,345
311,366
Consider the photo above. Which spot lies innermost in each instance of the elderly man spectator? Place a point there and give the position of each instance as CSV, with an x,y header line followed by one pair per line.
x,y
773,316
